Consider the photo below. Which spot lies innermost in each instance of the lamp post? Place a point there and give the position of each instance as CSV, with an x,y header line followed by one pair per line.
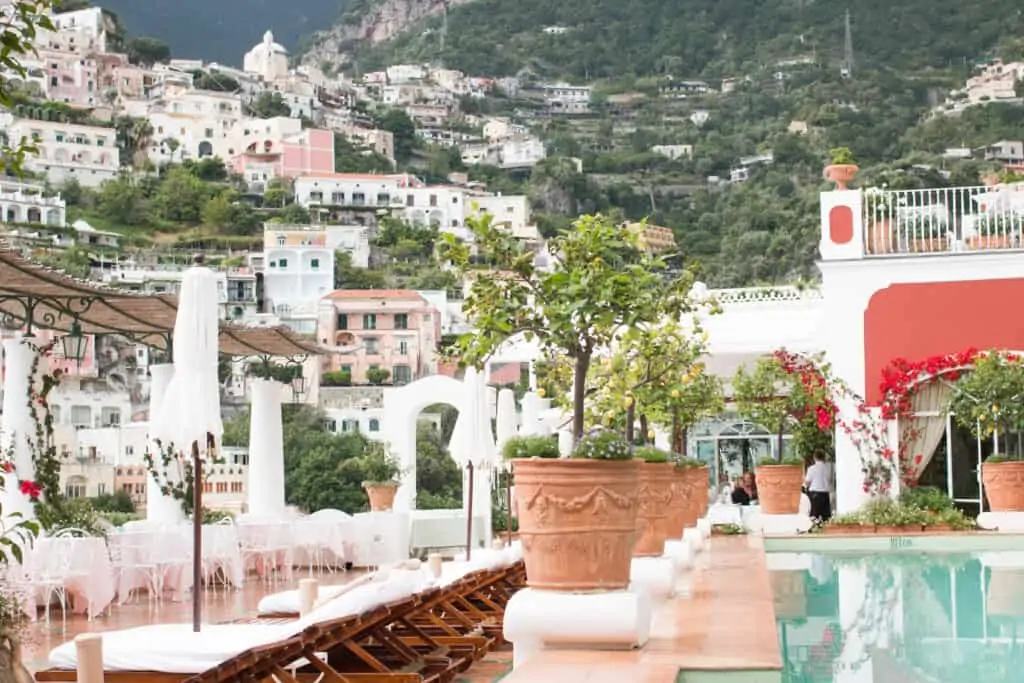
x,y
298,383
74,344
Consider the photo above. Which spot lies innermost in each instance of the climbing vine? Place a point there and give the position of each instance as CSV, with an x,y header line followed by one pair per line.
x,y
177,485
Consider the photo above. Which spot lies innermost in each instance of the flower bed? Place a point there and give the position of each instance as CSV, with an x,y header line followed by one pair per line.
x,y
914,513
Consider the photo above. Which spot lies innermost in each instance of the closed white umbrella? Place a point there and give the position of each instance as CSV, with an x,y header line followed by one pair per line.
x,y
190,412
473,443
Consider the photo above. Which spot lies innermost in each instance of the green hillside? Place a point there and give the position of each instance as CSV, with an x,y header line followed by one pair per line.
x,y
704,38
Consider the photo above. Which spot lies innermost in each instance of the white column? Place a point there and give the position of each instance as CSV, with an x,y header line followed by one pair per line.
x,y
266,450
17,426
160,509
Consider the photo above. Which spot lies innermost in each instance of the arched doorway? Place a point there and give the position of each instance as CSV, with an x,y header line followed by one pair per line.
x,y
402,408
733,446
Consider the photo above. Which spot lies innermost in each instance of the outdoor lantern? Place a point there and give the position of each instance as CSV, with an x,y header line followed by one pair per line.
x,y
74,344
298,384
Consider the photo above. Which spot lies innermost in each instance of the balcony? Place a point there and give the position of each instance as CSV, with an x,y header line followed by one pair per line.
x,y
939,221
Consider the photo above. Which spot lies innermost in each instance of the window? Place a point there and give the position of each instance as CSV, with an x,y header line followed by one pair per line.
x,y
75,487
282,263
433,200
222,487
383,199
338,198
110,417
401,374
81,416
370,344
314,264
316,196
358,199
374,425
403,347
401,321
236,487
455,199
410,200
369,321
343,321
101,489
331,425
280,240
208,133
348,426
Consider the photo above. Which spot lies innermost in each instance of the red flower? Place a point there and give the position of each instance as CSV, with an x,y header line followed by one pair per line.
x,y
918,458
31,489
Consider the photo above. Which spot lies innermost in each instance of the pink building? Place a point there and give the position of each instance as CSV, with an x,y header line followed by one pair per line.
x,y
308,152
393,329
71,79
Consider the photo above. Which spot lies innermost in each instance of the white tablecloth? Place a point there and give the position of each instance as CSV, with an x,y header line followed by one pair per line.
x,y
152,558
380,538
81,565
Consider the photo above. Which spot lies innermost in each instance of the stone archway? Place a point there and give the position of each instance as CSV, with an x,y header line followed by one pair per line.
x,y
402,408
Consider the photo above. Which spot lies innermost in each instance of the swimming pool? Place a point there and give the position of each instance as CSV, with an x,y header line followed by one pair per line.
x,y
907,617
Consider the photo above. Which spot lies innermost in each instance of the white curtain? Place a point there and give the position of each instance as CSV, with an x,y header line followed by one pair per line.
x,y
922,434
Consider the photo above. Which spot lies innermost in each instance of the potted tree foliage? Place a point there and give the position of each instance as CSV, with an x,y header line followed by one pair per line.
x,y
577,516
383,476
989,401
841,169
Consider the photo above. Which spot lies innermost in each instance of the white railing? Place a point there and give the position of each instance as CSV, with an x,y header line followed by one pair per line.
x,y
760,295
943,220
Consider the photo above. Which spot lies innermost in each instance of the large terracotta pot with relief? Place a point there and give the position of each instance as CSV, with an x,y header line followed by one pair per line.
x,y
1004,485
679,508
654,500
779,488
577,522
698,477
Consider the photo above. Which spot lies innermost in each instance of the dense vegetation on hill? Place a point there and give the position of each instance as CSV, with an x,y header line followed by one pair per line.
x,y
223,30
708,38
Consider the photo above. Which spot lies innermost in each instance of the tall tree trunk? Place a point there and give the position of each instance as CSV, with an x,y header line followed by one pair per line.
x,y
643,429
579,392
630,417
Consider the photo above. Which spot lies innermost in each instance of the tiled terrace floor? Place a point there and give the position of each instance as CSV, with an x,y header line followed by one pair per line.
x,y
218,605
726,623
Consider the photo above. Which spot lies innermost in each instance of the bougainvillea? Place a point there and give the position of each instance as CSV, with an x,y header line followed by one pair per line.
x,y
902,377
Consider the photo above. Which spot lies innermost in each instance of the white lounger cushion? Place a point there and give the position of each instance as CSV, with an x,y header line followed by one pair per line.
x,y
174,648
287,602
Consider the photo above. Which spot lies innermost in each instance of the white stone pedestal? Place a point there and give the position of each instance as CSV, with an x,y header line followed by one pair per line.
x,y
1007,522
536,620
654,575
785,525
681,552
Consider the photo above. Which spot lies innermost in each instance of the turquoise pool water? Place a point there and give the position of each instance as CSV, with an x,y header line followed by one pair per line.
x,y
900,618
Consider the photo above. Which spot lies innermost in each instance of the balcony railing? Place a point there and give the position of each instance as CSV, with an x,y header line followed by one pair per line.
x,y
943,220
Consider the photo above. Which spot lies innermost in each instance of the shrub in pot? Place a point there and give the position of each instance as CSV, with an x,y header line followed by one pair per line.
x,y
526,447
841,169
849,524
577,515
779,485
655,494
382,476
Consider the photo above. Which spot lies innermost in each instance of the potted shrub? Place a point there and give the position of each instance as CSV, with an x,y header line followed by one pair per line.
x,y
577,515
526,447
996,233
847,525
690,499
987,401
779,485
383,474
841,169
654,496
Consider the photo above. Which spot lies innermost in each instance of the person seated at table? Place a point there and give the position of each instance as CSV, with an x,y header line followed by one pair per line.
x,y
745,491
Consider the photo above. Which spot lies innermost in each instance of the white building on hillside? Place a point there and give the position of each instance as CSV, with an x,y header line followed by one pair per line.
x,y
268,59
68,150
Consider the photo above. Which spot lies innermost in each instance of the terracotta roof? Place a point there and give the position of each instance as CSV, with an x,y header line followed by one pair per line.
x,y
394,294
32,294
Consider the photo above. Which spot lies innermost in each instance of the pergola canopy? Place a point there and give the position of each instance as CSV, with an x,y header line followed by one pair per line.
x,y
34,297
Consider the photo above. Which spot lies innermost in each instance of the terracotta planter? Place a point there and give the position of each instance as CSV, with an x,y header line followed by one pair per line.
x,y
1004,485
880,240
847,529
577,522
698,478
841,174
789,594
990,242
932,245
890,530
382,496
938,528
778,488
1005,595
654,498
679,508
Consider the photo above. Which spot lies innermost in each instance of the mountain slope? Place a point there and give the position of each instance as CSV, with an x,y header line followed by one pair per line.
x,y
712,38
223,30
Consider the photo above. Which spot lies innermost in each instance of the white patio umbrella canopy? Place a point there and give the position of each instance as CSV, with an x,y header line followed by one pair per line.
x,y
191,404
473,441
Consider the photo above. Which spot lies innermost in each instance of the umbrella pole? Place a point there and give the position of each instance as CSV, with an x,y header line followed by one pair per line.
x,y
197,538
469,513
508,504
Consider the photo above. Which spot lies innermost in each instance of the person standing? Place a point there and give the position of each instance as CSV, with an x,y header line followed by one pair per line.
x,y
817,481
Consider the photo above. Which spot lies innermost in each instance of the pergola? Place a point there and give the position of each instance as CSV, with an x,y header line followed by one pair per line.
x,y
34,297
